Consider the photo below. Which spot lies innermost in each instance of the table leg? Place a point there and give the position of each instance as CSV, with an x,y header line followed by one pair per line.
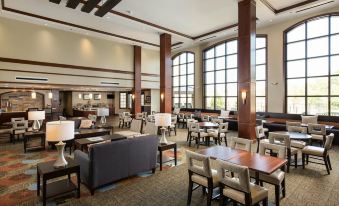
x,y
160,159
257,178
43,144
78,182
175,155
44,190
38,182
25,143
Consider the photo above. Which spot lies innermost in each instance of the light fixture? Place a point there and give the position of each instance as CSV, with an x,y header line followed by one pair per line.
x,y
162,97
36,116
80,96
244,96
33,94
50,95
90,95
163,120
99,96
133,97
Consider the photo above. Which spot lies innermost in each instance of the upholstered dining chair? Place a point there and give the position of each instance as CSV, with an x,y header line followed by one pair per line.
x,y
318,132
173,127
19,128
181,119
139,116
260,135
319,152
309,119
241,143
186,117
189,122
205,118
239,190
259,122
298,129
295,124
217,120
196,134
121,119
219,134
277,178
284,139
127,119
200,173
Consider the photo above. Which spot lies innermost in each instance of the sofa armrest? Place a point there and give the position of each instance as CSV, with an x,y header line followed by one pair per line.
x,y
83,160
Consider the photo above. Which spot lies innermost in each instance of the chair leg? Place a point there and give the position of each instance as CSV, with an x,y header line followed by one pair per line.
x,y
225,138
258,140
307,159
303,159
175,130
326,164
288,163
203,189
222,197
277,194
190,188
283,184
329,162
295,160
209,198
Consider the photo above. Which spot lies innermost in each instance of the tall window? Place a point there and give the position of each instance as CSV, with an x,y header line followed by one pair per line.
x,y
183,80
221,75
123,100
312,66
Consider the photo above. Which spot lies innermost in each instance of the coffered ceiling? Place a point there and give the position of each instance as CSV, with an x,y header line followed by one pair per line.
x,y
139,22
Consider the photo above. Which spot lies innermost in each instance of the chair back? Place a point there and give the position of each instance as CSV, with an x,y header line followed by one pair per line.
x,y
188,116
144,114
241,143
259,132
194,127
92,117
18,119
217,121
296,124
151,129
297,129
280,139
18,125
150,118
328,142
272,147
189,122
62,118
174,119
242,183
181,116
199,164
259,122
205,118
121,116
176,111
309,119
224,113
136,125
223,127
126,114
139,116
319,129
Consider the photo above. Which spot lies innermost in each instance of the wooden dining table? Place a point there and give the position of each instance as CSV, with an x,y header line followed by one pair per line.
x,y
257,163
297,136
205,126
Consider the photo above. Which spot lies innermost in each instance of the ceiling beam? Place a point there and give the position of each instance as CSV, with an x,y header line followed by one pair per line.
x,y
73,3
55,1
90,5
106,7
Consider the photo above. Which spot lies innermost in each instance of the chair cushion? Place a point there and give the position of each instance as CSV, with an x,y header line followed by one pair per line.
x,y
202,134
275,178
257,194
298,144
312,150
294,151
201,180
20,131
317,137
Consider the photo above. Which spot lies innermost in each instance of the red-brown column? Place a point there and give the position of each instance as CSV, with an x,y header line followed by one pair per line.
x,y
165,74
246,68
136,106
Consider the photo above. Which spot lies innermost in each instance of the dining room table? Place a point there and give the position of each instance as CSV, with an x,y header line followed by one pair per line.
x,y
255,162
297,136
206,126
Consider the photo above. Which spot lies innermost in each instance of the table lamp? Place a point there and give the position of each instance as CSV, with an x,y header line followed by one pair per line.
x,y
163,120
36,116
59,131
103,112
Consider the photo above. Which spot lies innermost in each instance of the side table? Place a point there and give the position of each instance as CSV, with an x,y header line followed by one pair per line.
x,y
46,171
29,135
164,147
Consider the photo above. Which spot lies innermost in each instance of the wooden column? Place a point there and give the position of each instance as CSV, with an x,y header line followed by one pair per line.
x,y
246,68
136,106
165,74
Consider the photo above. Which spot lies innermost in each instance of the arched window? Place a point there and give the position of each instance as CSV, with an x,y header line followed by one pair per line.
x,y
312,66
183,80
221,75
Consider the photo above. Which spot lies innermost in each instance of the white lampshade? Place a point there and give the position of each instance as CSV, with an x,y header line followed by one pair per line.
x,y
59,131
33,94
36,115
50,95
102,112
163,119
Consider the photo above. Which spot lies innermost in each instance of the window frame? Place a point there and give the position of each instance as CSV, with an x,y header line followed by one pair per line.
x,y
126,94
307,77
226,69
186,75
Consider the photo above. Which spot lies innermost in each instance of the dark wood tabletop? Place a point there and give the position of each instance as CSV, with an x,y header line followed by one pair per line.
x,y
258,163
82,143
295,135
208,124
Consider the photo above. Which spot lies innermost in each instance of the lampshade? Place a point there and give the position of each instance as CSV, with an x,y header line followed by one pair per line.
x,y
36,115
102,112
163,119
59,131
50,95
33,94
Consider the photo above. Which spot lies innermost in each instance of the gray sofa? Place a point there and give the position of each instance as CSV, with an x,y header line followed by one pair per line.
x,y
109,162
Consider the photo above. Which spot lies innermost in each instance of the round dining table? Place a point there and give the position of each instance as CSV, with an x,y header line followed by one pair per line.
x,y
296,135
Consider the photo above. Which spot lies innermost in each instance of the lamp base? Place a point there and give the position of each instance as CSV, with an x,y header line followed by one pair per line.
x,y
36,126
61,161
163,139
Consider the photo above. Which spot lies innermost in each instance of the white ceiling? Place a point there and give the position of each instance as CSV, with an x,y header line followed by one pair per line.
x,y
190,17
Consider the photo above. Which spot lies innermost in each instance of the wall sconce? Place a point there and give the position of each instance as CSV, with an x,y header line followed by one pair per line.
x,y
99,96
33,94
162,97
80,96
133,97
90,95
50,95
244,96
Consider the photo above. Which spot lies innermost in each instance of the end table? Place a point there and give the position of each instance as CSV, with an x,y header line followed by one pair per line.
x,y
164,147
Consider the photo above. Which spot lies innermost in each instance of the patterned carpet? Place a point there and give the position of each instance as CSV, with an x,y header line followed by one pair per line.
x,y
169,187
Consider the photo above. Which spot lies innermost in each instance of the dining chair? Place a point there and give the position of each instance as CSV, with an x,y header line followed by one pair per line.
x,y
240,189
121,119
196,134
19,128
139,116
260,135
205,118
298,129
189,122
173,126
200,173
277,178
285,140
319,153
295,124
181,120
17,119
127,119
151,129
186,117
259,122
217,121
318,133
241,143
309,119
219,134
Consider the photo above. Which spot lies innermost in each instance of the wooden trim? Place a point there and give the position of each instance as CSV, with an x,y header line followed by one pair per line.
x,y
176,44
69,66
293,6
215,31
53,84
106,7
165,73
136,103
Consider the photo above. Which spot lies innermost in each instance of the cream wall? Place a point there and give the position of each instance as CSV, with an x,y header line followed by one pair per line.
x,y
276,83
25,41
155,100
